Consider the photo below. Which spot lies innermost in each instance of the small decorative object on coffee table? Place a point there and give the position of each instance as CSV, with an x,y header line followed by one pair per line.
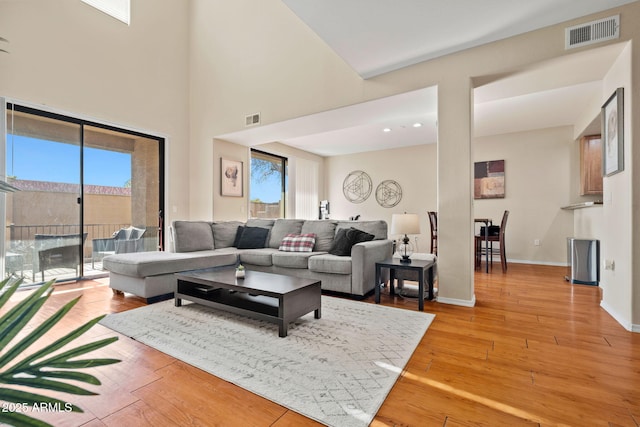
x,y
240,271
264,296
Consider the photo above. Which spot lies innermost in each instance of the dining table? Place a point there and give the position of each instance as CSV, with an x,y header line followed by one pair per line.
x,y
487,222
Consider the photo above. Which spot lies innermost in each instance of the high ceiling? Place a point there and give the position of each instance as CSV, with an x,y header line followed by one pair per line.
x,y
391,34
381,36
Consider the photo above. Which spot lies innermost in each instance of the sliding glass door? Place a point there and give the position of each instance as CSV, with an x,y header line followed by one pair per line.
x,y
84,191
122,196
43,220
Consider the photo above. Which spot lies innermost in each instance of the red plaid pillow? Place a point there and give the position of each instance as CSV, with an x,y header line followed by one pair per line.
x,y
298,242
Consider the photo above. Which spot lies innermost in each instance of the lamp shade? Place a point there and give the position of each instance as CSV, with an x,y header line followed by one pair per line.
x,y
405,224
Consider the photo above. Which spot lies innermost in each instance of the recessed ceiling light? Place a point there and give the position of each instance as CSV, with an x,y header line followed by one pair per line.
x,y
386,130
417,125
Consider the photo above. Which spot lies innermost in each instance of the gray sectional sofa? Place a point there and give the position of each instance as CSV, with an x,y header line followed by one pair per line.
x,y
342,254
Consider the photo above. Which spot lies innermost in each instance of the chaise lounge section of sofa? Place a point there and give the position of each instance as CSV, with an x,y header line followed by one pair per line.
x,y
342,254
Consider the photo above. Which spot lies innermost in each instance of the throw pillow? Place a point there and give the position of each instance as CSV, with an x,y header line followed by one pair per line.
x,y
341,245
191,236
253,238
298,242
346,238
224,233
359,236
238,235
281,228
324,230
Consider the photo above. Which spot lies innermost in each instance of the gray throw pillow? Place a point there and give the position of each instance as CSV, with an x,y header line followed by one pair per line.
x,y
281,228
324,230
191,236
224,233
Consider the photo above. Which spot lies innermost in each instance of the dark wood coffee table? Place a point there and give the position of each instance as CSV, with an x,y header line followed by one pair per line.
x,y
264,296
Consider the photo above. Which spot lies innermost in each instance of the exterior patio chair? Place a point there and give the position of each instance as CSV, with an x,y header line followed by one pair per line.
x,y
56,251
125,240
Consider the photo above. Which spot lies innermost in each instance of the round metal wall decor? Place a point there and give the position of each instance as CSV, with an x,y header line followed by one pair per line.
x,y
388,193
357,187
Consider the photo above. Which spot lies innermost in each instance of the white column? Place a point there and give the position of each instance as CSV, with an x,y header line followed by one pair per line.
x,y
455,192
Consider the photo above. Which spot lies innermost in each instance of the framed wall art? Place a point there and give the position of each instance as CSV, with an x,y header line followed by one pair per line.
x,y
488,180
388,193
230,178
613,134
357,186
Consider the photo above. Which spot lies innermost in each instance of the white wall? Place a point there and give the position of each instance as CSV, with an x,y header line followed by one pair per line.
x,y
249,57
539,181
236,208
254,56
414,168
72,58
191,70
618,289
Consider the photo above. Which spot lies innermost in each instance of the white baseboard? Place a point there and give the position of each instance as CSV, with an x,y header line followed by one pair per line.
x,y
524,261
455,301
620,319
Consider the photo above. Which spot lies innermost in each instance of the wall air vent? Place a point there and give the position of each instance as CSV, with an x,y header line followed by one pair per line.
x,y
252,119
592,32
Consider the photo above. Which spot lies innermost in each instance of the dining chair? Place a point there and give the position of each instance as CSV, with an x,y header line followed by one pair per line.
x,y
433,222
494,237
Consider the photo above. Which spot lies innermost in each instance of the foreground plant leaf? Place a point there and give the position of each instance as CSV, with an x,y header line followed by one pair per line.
x,y
43,369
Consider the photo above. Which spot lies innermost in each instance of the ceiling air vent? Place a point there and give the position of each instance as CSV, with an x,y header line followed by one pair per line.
x,y
252,119
592,32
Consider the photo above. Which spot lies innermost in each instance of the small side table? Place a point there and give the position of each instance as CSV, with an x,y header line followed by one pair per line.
x,y
418,265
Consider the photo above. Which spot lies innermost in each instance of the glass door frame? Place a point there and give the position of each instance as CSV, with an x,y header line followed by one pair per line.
x,y
43,112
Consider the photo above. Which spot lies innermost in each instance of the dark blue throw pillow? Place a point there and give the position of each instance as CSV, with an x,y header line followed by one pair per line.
x,y
253,238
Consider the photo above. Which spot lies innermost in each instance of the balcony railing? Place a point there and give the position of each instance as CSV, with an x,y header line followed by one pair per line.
x,y
20,235
19,247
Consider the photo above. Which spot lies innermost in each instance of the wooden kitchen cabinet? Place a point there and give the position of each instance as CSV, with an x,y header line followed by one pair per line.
x,y
591,165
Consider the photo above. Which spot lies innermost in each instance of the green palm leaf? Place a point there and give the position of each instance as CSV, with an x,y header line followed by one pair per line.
x,y
37,332
43,369
72,375
65,340
46,384
15,319
8,291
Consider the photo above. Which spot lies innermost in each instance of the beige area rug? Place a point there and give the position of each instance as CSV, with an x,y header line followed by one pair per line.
x,y
337,370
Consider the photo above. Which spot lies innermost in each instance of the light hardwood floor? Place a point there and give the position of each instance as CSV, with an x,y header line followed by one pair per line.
x,y
534,351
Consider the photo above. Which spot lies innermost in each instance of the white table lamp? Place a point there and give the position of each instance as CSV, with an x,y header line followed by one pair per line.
x,y
405,224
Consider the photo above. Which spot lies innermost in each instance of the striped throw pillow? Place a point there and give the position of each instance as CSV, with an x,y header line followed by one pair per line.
x,y
298,242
